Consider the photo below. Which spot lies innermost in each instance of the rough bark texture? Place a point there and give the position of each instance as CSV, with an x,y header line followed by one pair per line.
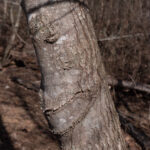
x,y
75,98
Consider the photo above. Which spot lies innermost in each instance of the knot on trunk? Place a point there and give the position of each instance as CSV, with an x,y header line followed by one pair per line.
x,y
43,29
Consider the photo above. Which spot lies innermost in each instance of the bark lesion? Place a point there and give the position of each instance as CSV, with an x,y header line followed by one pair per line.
x,y
44,30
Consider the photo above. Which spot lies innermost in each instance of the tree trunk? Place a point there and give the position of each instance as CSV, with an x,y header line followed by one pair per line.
x,y
75,97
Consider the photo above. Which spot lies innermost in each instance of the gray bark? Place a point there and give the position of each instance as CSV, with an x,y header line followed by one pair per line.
x,y
75,97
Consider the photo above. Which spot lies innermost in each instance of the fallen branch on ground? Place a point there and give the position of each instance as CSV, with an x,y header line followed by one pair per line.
x,y
111,81
128,84
26,84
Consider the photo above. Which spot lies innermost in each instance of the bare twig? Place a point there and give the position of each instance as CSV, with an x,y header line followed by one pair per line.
x,y
11,15
128,84
21,39
121,37
111,81
27,85
12,3
5,9
12,38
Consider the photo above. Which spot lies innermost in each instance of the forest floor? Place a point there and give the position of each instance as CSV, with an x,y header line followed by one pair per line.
x,y
22,124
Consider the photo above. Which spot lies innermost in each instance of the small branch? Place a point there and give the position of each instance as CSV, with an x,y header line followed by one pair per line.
x,y
13,3
12,38
27,85
111,81
121,37
129,84
21,39
140,137
11,16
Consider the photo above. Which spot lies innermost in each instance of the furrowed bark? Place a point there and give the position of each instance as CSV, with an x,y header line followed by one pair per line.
x,y
75,97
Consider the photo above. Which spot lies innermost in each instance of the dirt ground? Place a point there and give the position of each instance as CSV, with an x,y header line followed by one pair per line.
x,y
22,124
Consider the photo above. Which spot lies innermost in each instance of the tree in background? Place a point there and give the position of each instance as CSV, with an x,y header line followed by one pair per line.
x,y
75,96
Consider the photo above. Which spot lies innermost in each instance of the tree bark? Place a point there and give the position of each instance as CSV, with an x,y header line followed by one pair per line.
x,y
75,97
